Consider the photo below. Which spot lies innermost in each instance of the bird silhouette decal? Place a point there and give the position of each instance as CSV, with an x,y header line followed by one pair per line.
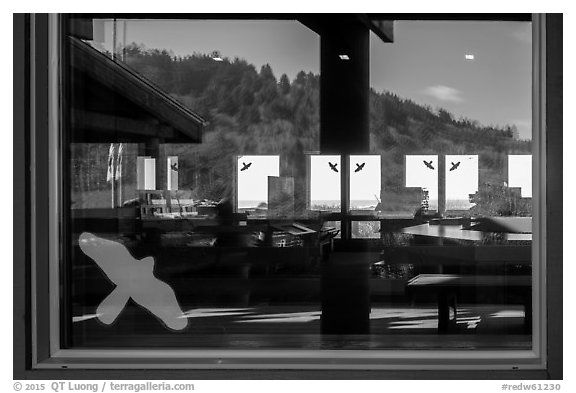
x,y
454,166
428,164
174,167
359,167
245,166
333,166
134,279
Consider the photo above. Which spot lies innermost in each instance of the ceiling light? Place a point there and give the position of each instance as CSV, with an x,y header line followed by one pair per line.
x,y
344,57
469,57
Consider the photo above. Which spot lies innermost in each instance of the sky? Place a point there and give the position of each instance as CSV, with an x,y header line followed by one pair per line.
x,y
426,62
288,46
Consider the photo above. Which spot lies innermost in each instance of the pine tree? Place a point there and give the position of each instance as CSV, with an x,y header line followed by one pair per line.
x,y
284,84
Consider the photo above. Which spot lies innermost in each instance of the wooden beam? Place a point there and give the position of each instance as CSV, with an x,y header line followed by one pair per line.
x,y
112,125
453,17
81,27
119,78
384,29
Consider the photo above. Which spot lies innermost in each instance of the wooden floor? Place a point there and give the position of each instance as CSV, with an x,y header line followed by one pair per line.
x,y
298,327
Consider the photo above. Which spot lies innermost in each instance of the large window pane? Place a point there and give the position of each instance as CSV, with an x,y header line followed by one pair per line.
x,y
203,209
189,217
451,117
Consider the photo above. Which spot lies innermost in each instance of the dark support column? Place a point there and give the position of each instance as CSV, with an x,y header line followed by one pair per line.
x,y
41,167
346,294
344,88
441,184
443,312
344,92
446,301
344,130
346,225
554,185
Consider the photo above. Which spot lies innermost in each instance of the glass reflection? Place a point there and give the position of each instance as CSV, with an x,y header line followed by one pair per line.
x,y
206,172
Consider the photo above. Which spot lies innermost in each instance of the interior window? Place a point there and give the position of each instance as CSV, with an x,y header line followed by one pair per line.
x,y
365,186
461,181
253,173
325,175
422,173
520,173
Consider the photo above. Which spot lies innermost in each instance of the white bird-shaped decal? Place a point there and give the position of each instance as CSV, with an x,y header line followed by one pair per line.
x,y
134,279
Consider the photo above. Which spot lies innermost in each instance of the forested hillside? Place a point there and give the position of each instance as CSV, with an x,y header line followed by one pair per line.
x,y
252,111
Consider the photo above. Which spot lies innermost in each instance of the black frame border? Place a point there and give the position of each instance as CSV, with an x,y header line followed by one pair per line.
x,y
24,190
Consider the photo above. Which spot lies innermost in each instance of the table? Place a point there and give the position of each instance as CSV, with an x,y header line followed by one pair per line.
x,y
458,233
457,245
449,287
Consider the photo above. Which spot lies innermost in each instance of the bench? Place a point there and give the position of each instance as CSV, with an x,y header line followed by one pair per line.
x,y
448,288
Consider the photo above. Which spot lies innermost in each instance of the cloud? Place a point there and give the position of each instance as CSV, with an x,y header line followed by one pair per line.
x,y
444,93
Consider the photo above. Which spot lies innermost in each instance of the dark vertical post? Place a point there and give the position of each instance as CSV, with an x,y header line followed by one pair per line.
x,y
344,88
40,167
441,184
344,130
346,224
346,294
21,194
344,96
554,185
67,251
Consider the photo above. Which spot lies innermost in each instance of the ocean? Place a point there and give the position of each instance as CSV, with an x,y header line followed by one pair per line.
x,y
366,204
